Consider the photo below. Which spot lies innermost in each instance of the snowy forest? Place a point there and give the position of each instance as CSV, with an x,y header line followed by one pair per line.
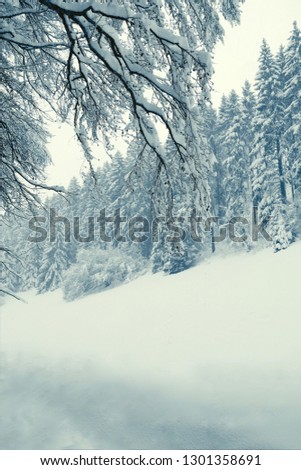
x,y
250,167
150,226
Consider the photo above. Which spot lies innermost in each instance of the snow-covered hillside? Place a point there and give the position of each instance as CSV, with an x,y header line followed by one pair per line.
x,y
209,358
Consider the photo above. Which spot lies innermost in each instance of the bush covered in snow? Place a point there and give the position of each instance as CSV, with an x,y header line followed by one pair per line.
x,y
98,269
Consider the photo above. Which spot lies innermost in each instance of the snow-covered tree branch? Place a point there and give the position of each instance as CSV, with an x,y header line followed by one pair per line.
x,y
149,61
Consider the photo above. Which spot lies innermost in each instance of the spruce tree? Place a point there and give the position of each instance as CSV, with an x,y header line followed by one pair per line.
x,y
248,108
56,254
292,94
223,124
268,152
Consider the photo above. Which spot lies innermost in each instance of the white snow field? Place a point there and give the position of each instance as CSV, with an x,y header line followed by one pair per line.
x,y
206,359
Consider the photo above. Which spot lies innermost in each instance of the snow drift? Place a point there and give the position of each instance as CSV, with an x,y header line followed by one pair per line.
x,y
206,359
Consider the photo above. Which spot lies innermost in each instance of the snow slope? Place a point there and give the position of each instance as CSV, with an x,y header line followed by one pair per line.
x,y
209,358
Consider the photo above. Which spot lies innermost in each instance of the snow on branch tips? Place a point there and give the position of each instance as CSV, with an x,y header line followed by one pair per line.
x,y
104,62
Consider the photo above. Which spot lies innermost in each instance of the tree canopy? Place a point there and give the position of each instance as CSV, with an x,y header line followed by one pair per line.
x,y
108,64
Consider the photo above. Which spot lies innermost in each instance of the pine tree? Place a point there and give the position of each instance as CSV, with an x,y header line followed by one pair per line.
x,y
223,124
235,160
280,121
54,263
292,94
211,133
268,152
117,175
173,249
74,207
56,251
32,256
234,163
248,109
137,200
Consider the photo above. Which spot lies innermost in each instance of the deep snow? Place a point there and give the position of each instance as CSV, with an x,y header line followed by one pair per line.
x,y
208,358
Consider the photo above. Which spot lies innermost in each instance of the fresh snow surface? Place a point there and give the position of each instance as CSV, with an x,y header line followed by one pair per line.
x,y
206,359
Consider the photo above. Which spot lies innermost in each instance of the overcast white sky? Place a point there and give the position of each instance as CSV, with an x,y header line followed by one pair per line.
x,y
234,61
